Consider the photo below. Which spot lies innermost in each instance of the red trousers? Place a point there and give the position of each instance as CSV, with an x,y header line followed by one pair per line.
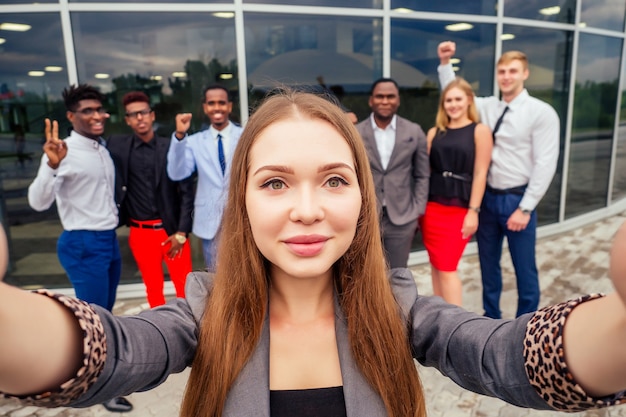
x,y
147,247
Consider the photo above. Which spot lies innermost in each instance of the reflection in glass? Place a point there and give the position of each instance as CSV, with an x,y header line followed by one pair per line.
x,y
32,75
481,7
340,54
593,123
603,14
414,63
28,1
370,4
150,1
170,56
549,55
562,11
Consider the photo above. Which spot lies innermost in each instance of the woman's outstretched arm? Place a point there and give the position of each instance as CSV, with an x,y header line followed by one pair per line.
x,y
40,341
595,332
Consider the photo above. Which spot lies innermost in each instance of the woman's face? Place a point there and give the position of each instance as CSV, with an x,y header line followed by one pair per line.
x,y
302,197
456,104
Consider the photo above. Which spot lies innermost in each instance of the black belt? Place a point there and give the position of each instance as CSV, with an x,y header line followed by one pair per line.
x,y
155,226
514,190
460,177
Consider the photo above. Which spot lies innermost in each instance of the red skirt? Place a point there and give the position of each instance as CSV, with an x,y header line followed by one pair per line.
x,y
441,232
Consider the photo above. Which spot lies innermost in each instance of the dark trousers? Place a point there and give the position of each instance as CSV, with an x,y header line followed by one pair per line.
x,y
495,211
93,264
397,241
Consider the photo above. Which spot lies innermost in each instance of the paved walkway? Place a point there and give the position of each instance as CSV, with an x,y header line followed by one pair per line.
x,y
570,264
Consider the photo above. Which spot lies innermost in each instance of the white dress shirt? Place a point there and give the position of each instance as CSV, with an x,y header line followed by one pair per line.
x,y
526,150
82,186
385,139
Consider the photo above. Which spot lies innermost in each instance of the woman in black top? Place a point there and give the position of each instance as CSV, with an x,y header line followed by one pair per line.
x,y
460,153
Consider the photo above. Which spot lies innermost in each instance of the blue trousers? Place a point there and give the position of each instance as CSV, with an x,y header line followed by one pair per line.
x,y
495,210
93,264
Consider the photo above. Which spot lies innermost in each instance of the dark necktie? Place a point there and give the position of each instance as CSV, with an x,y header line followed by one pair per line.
x,y
220,153
498,123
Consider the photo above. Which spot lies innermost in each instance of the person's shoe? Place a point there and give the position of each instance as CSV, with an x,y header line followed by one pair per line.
x,y
118,405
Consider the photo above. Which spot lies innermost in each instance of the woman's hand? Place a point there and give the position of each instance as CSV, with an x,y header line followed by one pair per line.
x,y
617,265
470,224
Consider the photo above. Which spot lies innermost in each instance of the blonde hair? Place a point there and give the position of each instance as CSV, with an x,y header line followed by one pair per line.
x,y
237,306
442,120
509,56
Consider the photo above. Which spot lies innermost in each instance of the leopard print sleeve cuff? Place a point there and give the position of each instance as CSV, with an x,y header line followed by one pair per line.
x,y
94,356
546,368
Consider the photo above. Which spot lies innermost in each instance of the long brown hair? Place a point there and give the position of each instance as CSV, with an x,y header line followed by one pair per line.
x,y
442,120
237,306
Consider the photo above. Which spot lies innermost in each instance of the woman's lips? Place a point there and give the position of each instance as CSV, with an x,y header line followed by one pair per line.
x,y
309,245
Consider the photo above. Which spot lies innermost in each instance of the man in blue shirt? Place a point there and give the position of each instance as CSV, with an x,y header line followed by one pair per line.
x,y
209,153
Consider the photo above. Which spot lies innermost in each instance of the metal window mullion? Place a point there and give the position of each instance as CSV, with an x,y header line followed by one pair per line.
x,y
613,163
570,117
242,70
68,42
386,38
498,46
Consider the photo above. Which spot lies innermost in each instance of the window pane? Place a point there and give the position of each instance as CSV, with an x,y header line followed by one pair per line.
x,y
32,73
27,2
150,1
342,53
481,7
550,55
414,63
593,123
370,4
169,56
604,14
562,11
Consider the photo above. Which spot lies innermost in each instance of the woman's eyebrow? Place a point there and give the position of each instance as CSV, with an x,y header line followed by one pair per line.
x,y
278,168
334,165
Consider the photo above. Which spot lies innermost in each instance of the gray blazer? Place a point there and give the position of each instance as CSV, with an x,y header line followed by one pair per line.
x,y
404,184
480,354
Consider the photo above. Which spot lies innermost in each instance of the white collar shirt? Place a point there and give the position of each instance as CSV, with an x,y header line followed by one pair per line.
x,y
82,186
526,147
385,139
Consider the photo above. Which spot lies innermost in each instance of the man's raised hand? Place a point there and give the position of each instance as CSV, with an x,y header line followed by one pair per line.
x,y
54,148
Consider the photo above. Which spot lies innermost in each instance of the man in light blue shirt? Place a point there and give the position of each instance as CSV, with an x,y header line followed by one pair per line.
x,y
523,162
209,153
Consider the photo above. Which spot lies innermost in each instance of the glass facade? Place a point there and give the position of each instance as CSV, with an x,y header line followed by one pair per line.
x,y
171,50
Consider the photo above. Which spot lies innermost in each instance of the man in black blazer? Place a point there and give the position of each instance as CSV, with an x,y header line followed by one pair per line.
x,y
398,157
157,209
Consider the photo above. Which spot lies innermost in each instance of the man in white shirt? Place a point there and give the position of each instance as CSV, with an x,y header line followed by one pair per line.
x,y
526,148
396,149
209,153
78,174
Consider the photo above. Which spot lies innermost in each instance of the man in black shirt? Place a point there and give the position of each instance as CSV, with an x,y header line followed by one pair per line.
x,y
157,209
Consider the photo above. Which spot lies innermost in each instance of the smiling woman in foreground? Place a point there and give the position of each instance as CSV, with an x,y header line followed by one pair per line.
x,y
302,316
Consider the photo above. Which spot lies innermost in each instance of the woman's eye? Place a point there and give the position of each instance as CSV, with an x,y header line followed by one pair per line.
x,y
274,184
336,182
